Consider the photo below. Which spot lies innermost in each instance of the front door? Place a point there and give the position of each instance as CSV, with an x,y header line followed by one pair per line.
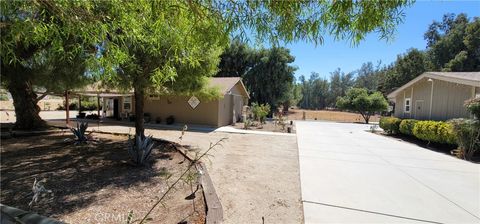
x,y
420,110
115,109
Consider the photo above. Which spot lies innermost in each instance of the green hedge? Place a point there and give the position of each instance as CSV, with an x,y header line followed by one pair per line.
x,y
390,124
407,125
467,132
434,131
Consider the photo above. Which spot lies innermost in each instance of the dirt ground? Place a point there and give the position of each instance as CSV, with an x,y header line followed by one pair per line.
x,y
327,115
254,176
95,183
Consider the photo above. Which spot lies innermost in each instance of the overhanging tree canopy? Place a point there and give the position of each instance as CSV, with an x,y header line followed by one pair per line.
x,y
103,30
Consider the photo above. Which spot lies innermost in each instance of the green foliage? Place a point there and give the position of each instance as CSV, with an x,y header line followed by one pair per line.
x,y
467,133
453,43
260,112
452,47
86,106
434,131
407,125
267,73
390,124
79,132
319,93
473,106
359,100
160,46
3,97
368,76
407,67
140,149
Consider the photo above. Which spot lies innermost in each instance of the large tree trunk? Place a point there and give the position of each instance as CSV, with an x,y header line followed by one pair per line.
x,y
25,103
139,98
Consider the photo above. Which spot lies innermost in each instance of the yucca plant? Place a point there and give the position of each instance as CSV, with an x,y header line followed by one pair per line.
x,y
140,149
79,132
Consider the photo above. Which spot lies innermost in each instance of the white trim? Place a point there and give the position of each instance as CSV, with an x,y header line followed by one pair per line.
x,y
411,97
431,101
125,101
409,105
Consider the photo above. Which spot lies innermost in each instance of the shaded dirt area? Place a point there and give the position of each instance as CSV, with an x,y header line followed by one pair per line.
x,y
328,115
96,183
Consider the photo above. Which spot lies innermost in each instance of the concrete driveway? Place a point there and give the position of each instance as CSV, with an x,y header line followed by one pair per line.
x,y
349,175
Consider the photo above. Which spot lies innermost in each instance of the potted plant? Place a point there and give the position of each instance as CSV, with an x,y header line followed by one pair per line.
x,y
170,120
146,117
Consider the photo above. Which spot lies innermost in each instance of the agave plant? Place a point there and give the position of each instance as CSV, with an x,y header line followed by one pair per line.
x,y
140,149
79,132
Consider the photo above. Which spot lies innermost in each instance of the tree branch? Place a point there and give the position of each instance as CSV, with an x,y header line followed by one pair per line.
x,y
41,96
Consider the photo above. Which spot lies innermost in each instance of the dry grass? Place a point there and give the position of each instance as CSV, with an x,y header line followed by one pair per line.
x,y
328,115
95,183
44,104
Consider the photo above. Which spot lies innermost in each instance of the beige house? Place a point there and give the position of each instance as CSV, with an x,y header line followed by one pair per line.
x,y
217,112
185,109
436,95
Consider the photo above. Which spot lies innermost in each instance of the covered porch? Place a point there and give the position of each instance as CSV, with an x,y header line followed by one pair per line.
x,y
109,105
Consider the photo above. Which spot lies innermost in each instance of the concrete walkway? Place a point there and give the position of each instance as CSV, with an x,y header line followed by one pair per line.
x,y
349,175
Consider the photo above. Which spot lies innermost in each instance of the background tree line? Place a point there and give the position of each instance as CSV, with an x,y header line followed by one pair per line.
x,y
453,45
266,73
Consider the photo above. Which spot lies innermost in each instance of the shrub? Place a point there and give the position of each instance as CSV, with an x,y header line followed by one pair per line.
x,y
390,124
434,131
260,111
79,132
170,120
93,116
406,126
467,133
473,106
140,149
3,97
86,106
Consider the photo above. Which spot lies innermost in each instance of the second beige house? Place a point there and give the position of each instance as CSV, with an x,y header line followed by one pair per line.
x,y
436,96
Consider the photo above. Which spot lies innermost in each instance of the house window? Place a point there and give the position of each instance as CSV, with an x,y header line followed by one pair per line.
x,y
407,105
127,103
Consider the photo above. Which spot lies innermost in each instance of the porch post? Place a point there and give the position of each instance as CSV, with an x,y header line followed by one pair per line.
x,y
67,109
98,105
79,104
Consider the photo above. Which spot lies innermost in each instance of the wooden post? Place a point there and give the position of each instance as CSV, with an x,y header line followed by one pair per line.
x,y
98,106
79,104
67,109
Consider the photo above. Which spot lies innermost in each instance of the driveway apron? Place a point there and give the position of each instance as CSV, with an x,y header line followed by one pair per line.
x,y
349,175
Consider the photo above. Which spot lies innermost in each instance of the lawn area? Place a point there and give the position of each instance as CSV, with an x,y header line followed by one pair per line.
x,y
328,115
96,182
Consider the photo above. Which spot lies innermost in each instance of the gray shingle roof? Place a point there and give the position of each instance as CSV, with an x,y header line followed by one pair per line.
x,y
472,76
465,78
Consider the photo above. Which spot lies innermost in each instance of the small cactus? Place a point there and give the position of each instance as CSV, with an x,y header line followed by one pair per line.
x,y
140,149
79,132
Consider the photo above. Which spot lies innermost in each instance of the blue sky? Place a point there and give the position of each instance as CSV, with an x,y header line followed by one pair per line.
x,y
340,54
